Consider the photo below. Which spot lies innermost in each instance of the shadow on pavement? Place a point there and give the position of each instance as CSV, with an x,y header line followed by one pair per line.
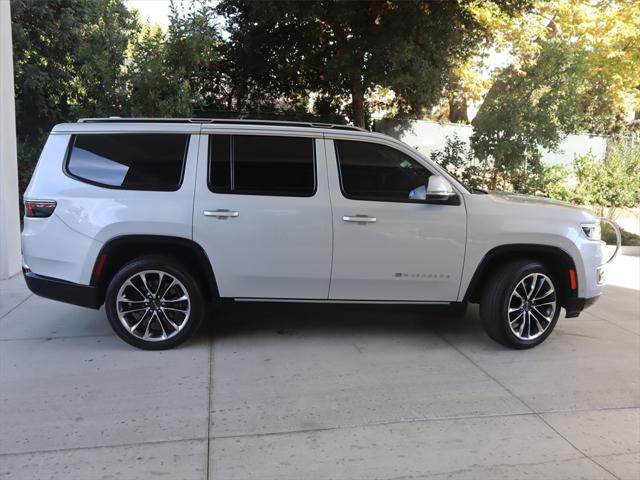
x,y
236,319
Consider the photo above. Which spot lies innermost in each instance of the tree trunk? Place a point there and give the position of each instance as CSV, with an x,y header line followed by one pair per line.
x,y
458,108
494,179
357,102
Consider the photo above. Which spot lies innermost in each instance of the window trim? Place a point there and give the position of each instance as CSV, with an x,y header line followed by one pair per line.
x,y
71,144
263,193
377,199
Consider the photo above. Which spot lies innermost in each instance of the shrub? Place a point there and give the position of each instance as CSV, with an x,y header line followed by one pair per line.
x,y
613,183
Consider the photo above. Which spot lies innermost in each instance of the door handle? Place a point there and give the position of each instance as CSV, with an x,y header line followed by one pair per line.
x,y
359,218
221,213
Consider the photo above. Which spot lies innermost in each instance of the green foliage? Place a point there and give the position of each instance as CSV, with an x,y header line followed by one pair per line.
x,y
347,49
615,182
457,158
171,74
92,58
194,50
98,84
602,33
67,64
527,112
156,89
553,182
606,185
545,180
67,54
77,58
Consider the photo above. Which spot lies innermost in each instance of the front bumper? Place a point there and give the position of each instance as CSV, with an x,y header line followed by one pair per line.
x,y
61,290
573,306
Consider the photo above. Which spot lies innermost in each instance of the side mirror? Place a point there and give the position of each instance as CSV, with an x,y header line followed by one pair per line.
x,y
439,190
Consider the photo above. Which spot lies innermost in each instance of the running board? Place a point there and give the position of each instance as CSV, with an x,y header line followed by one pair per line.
x,y
322,300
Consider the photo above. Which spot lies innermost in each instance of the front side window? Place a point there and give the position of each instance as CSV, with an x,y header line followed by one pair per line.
x,y
371,171
129,161
262,165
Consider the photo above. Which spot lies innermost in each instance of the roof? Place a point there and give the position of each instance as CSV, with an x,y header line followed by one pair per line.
x,y
222,121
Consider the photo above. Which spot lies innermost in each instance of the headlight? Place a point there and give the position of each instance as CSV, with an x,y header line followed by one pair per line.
x,y
592,230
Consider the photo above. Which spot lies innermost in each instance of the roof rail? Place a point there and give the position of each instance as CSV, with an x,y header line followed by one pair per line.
x,y
221,121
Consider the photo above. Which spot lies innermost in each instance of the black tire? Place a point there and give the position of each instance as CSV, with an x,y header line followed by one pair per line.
x,y
163,319
497,297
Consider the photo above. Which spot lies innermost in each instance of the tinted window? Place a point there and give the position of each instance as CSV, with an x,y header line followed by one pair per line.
x,y
262,165
129,161
370,171
220,163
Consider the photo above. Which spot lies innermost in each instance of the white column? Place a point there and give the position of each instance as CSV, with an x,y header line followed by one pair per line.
x,y
9,213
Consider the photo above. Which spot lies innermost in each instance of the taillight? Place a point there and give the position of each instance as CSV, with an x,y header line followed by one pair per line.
x,y
39,208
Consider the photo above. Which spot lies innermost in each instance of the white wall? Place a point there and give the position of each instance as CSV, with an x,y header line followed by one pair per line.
x,y
427,136
9,214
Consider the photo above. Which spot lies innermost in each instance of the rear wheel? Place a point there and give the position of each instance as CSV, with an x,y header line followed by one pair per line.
x,y
520,305
154,303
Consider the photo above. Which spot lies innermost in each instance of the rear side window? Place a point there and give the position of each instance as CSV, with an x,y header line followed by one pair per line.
x,y
262,165
371,171
130,161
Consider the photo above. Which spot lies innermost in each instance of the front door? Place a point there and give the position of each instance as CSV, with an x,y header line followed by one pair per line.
x,y
263,215
388,246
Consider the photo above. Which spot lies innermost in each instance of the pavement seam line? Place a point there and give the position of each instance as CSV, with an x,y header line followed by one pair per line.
x,y
505,388
577,449
533,411
53,337
16,306
209,405
482,467
293,432
410,420
96,447
598,317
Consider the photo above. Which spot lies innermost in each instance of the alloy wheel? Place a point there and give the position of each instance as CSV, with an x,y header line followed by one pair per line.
x,y
153,305
532,306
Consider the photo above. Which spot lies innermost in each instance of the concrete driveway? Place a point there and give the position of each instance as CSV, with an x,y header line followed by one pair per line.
x,y
317,392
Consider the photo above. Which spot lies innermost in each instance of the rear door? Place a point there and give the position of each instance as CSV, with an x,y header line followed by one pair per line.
x,y
388,246
263,215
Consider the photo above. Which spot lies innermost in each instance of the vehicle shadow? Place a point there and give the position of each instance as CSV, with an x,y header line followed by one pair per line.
x,y
237,319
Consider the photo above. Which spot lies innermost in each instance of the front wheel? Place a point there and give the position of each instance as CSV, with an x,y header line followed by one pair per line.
x,y
154,303
520,305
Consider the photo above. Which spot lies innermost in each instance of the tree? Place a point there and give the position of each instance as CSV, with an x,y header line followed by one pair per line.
x,y
68,56
613,183
457,158
100,57
347,49
603,32
155,87
194,50
575,67
174,72
470,77
526,112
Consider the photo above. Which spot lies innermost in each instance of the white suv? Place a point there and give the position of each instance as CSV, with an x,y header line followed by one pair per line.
x,y
158,218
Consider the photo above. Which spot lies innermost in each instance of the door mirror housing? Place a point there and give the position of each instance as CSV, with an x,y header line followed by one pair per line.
x,y
439,190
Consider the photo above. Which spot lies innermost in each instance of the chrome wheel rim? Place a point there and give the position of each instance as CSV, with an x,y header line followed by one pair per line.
x,y
532,306
153,305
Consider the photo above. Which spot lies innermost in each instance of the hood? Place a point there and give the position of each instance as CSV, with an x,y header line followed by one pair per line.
x,y
532,200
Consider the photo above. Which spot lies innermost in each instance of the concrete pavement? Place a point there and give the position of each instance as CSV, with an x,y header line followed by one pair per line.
x,y
315,392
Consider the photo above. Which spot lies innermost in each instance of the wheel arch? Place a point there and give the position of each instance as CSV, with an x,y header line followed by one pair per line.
x,y
118,251
557,260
